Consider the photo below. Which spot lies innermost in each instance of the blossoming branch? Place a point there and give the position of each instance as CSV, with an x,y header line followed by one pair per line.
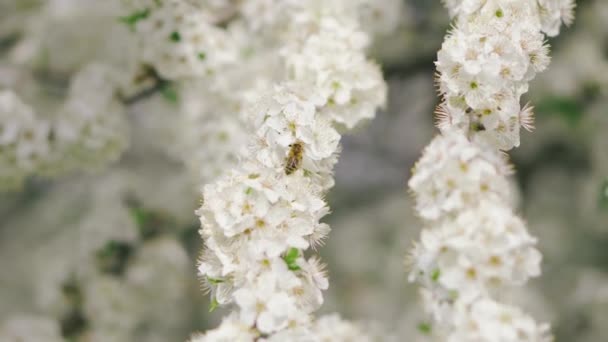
x,y
262,216
474,247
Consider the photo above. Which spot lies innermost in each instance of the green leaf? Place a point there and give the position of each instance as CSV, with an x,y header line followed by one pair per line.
x,y
169,92
140,216
175,37
113,257
290,259
215,281
292,255
150,223
425,328
213,305
131,20
202,56
435,275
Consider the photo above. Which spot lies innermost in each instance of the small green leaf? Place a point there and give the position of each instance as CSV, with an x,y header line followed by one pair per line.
x,y
293,267
113,257
435,275
213,305
424,328
150,223
202,56
290,259
292,255
175,37
169,92
249,191
215,281
131,20
140,216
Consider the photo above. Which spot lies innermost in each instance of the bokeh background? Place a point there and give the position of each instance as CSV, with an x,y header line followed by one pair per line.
x,y
112,254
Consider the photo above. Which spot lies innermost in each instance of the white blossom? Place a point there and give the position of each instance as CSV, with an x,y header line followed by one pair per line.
x,y
473,246
91,127
455,173
482,250
484,67
488,321
554,13
24,143
259,218
180,41
231,330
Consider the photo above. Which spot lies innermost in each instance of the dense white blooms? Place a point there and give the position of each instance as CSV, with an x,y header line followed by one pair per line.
x,y
262,214
326,328
285,117
328,59
23,140
482,250
484,68
473,247
455,173
552,13
249,221
91,128
231,330
179,40
88,130
488,321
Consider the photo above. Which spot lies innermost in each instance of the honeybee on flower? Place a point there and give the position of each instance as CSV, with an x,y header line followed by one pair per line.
x,y
294,158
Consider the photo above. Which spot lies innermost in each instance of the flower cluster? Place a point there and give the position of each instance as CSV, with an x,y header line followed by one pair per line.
x,y
224,54
88,130
487,320
325,58
128,256
23,139
455,173
485,65
91,128
261,216
480,251
474,246
326,328
179,39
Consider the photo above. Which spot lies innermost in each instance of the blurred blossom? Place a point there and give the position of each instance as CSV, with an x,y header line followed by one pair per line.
x,y
117,116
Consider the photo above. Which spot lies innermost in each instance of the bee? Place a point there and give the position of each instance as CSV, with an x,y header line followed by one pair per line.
x,y
294,158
